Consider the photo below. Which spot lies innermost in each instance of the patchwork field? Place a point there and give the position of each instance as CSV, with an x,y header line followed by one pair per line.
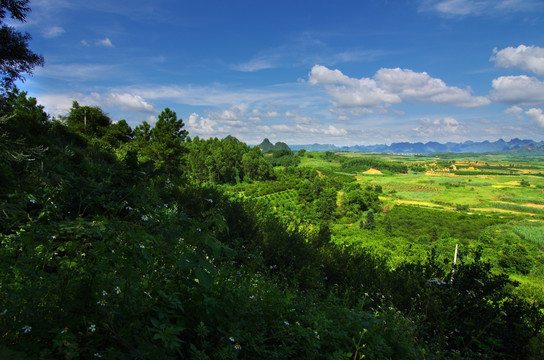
x,y
487,183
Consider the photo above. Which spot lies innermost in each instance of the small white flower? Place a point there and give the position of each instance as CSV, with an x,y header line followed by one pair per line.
x,y
286,322
26,329
232,339
64,330
97,355
92,328
117,290
104,293
102,302
142,246
237,346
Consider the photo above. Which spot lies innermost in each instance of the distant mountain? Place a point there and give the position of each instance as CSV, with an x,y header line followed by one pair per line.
x,y
536,149
267,146
315,147
432,147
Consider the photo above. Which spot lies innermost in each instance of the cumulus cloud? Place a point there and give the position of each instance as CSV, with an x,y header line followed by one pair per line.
x,y
421,87
536,115
529,58
515,111
518,90
390,86
439,128
52,32
234,115
201,125
350,92
130,102
332,130
105,42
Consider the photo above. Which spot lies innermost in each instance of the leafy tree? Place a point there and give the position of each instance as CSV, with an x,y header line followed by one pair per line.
x,y
118,133
15,56
88,120
166,143
369,223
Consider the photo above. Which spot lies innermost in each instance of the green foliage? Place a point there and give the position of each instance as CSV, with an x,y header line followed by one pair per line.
x,y
113,247
283,157
16,58
226,161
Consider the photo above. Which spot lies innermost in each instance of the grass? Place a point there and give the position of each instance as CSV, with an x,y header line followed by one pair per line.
x,y
533,233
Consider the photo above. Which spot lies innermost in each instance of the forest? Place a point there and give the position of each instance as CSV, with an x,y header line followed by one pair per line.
x,y
147,243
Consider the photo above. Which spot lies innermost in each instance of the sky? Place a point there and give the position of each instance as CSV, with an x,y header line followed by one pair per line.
x,y
299,71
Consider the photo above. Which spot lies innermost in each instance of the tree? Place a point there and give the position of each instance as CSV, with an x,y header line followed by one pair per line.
x,y
369,223
15,56
167,140
89,120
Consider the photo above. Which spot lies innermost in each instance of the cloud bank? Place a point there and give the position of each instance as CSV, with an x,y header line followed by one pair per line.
x,y
390,86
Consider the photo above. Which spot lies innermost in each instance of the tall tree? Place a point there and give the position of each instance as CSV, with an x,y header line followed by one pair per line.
x,y
15,56
167,142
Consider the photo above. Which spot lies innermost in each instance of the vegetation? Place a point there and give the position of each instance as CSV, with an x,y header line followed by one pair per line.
x,y
179,254
143,243
16,58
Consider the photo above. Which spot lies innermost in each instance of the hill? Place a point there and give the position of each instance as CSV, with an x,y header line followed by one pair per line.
x,y
267,146
432,147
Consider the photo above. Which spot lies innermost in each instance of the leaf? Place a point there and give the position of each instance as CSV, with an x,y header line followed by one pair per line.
x,y
204,279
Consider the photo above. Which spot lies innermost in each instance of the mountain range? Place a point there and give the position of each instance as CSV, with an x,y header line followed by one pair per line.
x,y
432,147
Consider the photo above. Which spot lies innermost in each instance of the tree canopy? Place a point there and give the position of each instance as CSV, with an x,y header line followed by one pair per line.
x,y
16,58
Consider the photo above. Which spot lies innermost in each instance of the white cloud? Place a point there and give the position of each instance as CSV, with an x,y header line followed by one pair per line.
x,y
421,87
536,115
331,130
518,90
201,125
350,92
530,58
456,8
447,127
128,102
52,32
73,72
390,86
268,114
255,65
85,43
515,111
105,42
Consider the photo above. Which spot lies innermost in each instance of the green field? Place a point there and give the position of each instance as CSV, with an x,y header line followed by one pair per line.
x,y
490,202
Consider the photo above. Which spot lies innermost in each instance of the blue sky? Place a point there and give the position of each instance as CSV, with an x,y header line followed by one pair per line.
x,y
337,72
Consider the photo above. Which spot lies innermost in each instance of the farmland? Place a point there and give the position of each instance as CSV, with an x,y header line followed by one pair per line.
x,y
489,203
